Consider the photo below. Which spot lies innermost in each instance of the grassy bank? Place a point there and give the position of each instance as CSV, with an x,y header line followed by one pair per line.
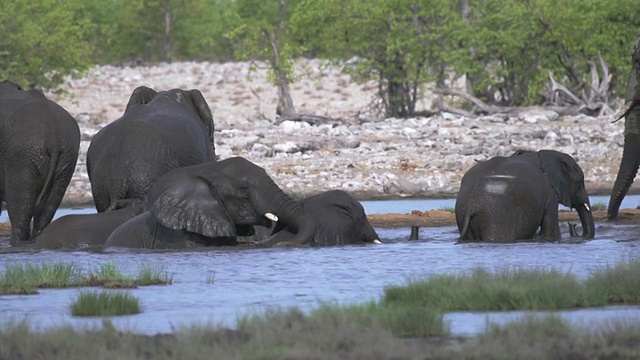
x,y
27,278
293,335
519,289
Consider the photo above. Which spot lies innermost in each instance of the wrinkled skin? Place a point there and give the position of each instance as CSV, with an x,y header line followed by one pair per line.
x,y
631,152
84,230
39,143
158,132
210,204
339,220
506,199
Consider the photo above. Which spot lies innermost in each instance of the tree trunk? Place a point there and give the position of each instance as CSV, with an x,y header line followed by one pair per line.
x,y
285,102
167,31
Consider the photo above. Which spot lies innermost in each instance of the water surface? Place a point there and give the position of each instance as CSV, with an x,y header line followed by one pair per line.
x,y
218,285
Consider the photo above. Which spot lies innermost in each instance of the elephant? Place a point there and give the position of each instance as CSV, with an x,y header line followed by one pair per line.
x,y
84,230
39,145
506,199
210,204
158,132
339,219
631,151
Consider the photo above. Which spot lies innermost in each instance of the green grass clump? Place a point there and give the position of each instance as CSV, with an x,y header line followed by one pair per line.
x,y
25,278
108,276
619,284
153,275
104,303
482,291
599,206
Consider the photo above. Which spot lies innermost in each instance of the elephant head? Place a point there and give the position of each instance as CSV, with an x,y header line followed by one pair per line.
x,y
212,203
567,180
191,99
339,220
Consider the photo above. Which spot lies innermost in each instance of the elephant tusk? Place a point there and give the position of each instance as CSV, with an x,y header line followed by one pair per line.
x,y
271,217
586,206
376,241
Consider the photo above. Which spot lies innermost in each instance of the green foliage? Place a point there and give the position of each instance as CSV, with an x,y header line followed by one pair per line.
x,y
42,41
261,33
516,45
506,49
402,45
137,30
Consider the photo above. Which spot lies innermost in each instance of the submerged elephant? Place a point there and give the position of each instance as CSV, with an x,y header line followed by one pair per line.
x,y
210,204
84,230
339,220
158,132
505,199
39,143
631,152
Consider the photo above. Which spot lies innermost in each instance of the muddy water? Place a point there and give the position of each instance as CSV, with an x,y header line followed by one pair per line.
x,y
218,285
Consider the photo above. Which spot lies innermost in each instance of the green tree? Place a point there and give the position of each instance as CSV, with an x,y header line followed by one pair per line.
x,y
167,30
516,44
262,34
401,44
42,41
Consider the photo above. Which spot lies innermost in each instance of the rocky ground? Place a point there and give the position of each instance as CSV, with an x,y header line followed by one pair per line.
x,y
361,153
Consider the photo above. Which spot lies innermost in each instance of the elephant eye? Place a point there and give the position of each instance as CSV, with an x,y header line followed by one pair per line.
x,y
244,191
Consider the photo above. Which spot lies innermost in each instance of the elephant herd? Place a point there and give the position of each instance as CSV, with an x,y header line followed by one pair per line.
x,y
155,181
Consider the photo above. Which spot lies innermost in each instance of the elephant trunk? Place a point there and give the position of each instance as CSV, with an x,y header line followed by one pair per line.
x,y
291,213
626,173
586,218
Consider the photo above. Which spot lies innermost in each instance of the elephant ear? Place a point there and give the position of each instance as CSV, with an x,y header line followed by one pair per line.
x,y
193,207
561,170
204,112
140,96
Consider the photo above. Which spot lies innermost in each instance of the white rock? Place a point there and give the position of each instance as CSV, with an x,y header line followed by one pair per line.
x,y
288,147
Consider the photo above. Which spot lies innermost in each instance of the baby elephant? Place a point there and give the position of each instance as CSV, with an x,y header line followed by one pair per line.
x,y
339,220
506,199
84,230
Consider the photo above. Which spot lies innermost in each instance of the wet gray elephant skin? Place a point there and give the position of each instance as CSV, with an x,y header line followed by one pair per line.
x,y
158,132
84,230
631,151
339,219
210,204
507,199
39,142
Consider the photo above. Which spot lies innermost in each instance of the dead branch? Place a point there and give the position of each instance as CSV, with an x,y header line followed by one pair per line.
x,y
311,119
259,113
481,108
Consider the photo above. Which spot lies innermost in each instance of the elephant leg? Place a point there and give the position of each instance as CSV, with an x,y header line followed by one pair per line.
x,y
51,200
21,193
626,173
550,227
